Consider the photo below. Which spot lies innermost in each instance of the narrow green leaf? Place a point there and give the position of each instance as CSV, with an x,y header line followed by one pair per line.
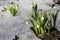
x,y
32,23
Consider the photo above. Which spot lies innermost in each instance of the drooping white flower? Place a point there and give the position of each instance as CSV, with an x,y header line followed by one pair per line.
x,y
54,7
42,18
26,22
38,26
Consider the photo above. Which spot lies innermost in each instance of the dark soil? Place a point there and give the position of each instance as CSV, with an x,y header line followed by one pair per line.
x,y
54,35
16,37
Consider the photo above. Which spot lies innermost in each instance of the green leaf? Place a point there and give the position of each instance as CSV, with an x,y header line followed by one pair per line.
x,y
32,23
54,16
34,12
42,31
36,30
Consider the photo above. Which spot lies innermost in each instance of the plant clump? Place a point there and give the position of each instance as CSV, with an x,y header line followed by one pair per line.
x,y
13,8
43,24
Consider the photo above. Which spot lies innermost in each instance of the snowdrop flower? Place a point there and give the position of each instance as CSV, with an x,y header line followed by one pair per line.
x,y
33,4
42,18
38,26
54,7
26,22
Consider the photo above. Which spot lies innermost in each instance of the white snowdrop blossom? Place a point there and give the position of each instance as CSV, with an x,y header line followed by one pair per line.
x,y
54,7
42,18
27,22
38,26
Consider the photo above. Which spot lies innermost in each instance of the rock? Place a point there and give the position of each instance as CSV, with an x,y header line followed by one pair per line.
x,y
56,1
